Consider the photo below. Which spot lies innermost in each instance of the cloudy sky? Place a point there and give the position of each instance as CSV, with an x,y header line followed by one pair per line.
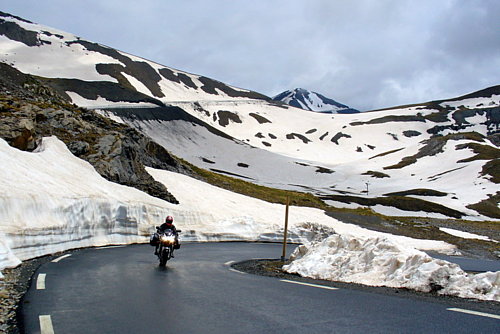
x,y
367,54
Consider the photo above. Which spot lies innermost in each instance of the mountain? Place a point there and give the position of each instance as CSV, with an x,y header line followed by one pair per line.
x,y
31,111
308,100
434,159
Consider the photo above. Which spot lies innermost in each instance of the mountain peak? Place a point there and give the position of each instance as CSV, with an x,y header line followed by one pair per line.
x,y
309,100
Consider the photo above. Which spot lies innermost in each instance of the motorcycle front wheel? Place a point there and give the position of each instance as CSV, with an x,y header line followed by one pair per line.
x,y
164,256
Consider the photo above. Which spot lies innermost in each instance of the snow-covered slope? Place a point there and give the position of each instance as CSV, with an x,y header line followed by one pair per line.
x,y
437,159
370,157
88,71
52,201
308,100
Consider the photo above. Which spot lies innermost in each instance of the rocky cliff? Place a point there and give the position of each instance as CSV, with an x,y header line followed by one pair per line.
x,y
30,110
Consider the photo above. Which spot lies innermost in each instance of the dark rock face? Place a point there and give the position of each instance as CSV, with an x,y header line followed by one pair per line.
x,y
210,86
339,135
16,33
460,122
376,174
395,118
225,117
142,71
177,77
411,133
259,118
304,139
29,111
91,90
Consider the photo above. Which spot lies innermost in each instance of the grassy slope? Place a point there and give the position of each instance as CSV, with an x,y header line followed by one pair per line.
x,y
421,228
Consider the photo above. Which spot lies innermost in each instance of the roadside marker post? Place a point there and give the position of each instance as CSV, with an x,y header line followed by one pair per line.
x,y
285,234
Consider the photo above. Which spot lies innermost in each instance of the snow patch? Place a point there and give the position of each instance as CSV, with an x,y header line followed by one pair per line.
x,y
102,103
378,261
465,235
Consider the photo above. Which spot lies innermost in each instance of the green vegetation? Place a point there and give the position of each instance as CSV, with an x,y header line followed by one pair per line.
x,y
386,153
435,145
488,207
483,152
418,192
400,202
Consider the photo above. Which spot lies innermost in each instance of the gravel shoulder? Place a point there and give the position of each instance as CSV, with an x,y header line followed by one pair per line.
x,y
12,289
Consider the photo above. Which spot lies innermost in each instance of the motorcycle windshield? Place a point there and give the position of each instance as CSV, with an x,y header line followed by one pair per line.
x,y
168,232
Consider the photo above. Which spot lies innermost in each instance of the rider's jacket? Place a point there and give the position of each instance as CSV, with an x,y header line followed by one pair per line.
x,y
166,226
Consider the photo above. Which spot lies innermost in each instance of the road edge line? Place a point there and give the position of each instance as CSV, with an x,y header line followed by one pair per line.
x,y
481,314
309,284
237,271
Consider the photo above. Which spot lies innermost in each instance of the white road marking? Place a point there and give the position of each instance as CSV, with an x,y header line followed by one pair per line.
x,y
228,263
40,282
46,324
61,257
494,316
308,284
108,247
237,271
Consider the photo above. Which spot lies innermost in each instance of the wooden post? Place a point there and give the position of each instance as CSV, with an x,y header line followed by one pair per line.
x,y
285,234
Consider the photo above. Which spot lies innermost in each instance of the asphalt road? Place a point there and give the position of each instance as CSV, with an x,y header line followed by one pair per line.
x,y
122,290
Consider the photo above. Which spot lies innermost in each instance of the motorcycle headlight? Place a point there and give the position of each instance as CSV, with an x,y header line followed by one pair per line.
x,y
167,239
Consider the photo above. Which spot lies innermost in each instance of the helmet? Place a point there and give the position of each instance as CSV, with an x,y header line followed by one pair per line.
x,y
169,220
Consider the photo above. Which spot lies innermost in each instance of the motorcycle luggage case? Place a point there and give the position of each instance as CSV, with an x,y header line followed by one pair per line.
x,y
154,239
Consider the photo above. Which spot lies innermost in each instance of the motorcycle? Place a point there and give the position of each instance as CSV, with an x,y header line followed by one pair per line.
x,y
166,242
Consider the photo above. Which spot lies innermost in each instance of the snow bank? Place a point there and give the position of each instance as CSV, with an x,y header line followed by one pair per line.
x,y
52,201
378,261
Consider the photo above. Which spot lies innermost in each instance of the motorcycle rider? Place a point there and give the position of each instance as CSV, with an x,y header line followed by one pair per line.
x,y
168,225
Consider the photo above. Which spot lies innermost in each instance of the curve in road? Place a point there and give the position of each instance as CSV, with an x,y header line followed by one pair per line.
x,y
123,290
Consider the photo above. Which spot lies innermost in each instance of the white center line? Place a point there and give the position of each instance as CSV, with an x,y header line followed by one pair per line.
x,y
494,316
40,282
308,284
61,257
46,324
